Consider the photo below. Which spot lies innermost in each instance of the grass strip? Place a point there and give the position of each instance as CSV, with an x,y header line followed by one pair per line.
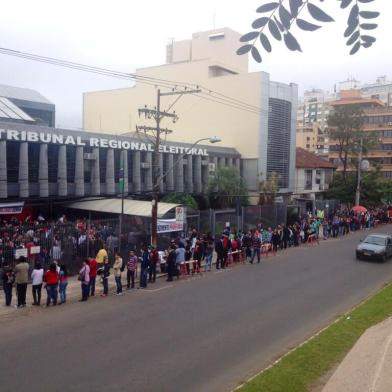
x,y
301,368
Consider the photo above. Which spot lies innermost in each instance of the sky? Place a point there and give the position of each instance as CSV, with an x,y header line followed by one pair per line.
x,y
124,35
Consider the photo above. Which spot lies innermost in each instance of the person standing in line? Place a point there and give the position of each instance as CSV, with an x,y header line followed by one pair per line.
x,y
131,269
84,277
220,253
63,278
209,251
102,253
51,278
256,246
180,256
171,263
21,279
37,277
8,281
144,268
105,277
275,241
154,260
118,262
93,276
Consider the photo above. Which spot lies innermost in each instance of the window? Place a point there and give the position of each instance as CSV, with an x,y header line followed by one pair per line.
x,y
71,163
12,161
318,177
279,138
33,154
53,153
308,179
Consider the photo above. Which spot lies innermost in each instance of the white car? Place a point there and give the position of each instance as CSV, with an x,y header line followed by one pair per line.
x,y
376,247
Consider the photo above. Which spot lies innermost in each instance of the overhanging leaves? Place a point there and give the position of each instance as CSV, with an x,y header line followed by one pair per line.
x,y
282,15
291,42
318,14
267,7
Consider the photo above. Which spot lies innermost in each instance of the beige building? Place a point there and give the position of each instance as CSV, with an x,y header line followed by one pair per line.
x,y
246,110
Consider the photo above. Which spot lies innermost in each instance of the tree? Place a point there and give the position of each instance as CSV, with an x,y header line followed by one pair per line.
x,y
268,189
180,198
280,17
226,188
345,124
374,188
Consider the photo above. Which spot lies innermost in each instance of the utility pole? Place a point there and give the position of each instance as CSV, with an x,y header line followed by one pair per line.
x,y
358,189
154,134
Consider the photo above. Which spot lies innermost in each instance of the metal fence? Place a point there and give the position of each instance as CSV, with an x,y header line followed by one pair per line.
x,y
71,242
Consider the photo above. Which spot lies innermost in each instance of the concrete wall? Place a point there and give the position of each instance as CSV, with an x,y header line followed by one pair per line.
x,y
115,111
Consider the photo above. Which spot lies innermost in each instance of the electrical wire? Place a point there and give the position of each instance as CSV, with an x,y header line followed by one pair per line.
x,y
213,96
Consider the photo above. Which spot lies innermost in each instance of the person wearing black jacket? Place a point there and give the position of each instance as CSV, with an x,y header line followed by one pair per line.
x,y
8,280
105,277
285,236
275,240
171,263
220,253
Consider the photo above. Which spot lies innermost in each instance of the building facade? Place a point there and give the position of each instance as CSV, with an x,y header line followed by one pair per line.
x,y
381,89
263,135
44,162
312,121
377,121
25,106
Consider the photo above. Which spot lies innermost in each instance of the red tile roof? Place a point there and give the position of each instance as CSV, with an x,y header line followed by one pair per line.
x,y
308,160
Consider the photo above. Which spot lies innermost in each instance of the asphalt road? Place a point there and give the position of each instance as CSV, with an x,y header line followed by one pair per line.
x,y
205,334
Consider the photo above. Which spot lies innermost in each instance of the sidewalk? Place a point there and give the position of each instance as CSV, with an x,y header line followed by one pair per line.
x,y
74,293
368,366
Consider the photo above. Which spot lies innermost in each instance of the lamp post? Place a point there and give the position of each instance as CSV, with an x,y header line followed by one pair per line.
x,y
157,179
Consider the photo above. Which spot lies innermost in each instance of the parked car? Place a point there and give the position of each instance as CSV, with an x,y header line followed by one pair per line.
x,y
375,246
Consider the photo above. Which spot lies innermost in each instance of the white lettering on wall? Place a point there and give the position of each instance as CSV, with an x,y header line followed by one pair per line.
x,y
56,138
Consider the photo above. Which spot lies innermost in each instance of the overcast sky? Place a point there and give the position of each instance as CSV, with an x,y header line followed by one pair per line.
x,y
124,35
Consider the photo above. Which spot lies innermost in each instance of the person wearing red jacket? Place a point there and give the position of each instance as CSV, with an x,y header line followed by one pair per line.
x,y
154,260
93,276
51,278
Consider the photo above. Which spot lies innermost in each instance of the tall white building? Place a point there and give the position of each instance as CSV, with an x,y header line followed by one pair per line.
x,y
312,115
381,89
264,135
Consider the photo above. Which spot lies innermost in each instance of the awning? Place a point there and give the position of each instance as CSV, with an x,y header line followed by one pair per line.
x,y
11,208
113,206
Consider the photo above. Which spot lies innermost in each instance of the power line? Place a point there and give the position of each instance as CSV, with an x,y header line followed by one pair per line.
x,y
213,96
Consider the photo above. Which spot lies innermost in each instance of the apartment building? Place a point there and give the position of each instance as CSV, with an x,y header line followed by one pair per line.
x,y
377,120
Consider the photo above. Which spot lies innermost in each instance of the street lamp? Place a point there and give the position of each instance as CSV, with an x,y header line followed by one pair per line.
x,y
154,203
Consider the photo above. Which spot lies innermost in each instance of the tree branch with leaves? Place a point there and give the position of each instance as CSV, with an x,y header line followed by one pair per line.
x,y
279,17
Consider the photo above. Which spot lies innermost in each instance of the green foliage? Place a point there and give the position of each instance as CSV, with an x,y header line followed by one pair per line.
x,y
345,129
180,198
268,189
374,188
226,187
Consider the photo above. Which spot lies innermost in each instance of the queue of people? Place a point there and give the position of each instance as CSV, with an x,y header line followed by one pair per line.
x,y
184,256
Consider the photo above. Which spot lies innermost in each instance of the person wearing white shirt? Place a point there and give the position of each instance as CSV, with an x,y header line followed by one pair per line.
x,y
37,277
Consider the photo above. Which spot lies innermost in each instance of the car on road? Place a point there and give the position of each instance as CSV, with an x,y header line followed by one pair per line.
x,y
375,246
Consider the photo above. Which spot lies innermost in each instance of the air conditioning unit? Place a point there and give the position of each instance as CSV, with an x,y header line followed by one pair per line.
x,y
211,167
390,123
89,156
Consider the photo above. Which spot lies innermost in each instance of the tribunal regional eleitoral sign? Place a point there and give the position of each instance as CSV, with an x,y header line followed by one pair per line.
x,y
56,137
